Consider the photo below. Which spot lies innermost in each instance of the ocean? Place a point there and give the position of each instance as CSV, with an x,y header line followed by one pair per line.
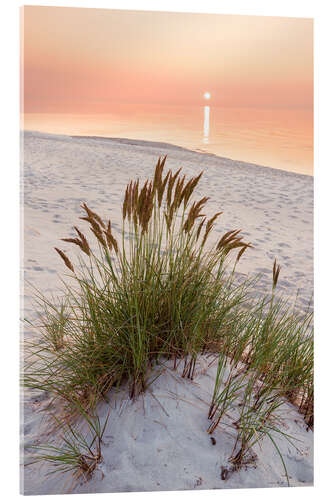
x,y
278,138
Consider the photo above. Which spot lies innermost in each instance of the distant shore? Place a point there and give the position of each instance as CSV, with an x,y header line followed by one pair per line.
x,y
158,144
166,145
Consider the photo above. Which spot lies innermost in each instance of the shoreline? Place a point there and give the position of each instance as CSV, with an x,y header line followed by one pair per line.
x,y
165,145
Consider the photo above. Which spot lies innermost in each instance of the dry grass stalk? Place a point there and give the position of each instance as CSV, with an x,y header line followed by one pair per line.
x,y
227,238
125,203
276,272
209,226
99,236
172,180
194,213
65,259
145,204
85,246
92,222
200,228
189,188
242,250
161,188
81,241
111,241
75,241
157,182
93,215
177,199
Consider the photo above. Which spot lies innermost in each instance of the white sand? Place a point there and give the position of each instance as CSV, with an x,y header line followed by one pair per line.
x,y
146,449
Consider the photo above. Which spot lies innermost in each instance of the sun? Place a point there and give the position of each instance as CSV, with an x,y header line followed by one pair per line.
x,y
207,95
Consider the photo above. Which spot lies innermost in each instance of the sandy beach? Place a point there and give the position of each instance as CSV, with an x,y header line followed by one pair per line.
x,y
159,442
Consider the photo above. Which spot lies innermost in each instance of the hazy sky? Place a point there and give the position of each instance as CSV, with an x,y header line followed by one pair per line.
x,y
84,60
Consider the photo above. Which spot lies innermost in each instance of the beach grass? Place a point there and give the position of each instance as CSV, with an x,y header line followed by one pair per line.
x,y
80,448
157,293
267,361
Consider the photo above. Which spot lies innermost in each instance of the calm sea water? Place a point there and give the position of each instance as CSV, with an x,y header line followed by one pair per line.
x,y
277,138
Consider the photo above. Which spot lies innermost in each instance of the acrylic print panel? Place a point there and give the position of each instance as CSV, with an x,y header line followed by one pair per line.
x,y
168,251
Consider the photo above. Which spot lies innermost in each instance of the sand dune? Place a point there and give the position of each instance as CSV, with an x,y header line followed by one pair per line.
x,y
275,210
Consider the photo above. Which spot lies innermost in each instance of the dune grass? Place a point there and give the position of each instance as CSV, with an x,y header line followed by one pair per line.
x,y
80,448
158,292
163,290
267,360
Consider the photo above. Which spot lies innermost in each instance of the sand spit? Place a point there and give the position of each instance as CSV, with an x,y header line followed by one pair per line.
x,y
159,442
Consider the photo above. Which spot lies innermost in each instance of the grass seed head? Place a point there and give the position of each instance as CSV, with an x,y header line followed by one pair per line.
x,y
189,188
194,214
84,243
199,229
75,241
65,259
99,236
110,239
178,192
93,215
276,272
227,238
92,222
147,208
161,188
209,226
157,182
125,203
242,250
172,180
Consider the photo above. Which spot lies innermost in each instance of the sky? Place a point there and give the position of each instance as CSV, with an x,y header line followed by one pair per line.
x,y
77,60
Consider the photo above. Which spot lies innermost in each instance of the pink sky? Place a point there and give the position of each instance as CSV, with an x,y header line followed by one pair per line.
x,y
79,60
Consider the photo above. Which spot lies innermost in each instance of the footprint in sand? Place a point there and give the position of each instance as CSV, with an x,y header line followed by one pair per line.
x,y
283,245
263,270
